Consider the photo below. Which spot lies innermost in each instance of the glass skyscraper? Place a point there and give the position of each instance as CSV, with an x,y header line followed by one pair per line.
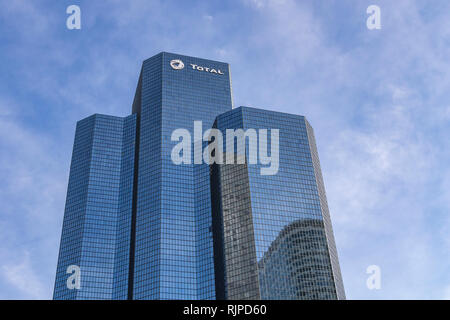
x,y
96,228
139,226
273,235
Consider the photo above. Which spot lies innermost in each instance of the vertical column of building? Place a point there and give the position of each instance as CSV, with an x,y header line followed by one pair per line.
x,y
146,270
234,239
90,222
75,209
173,248
204,249
240,262
123,248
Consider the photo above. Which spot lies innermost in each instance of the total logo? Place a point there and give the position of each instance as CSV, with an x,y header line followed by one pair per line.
x,y
177,64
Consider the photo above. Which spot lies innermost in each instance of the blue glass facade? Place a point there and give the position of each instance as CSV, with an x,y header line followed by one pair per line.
x,y
174,258
277,241
140,226
97,197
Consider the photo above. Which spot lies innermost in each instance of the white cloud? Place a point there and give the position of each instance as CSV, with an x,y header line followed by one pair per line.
x,y
24,277
208,17
32,194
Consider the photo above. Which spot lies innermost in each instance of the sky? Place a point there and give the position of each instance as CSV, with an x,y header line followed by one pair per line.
x,y
379,102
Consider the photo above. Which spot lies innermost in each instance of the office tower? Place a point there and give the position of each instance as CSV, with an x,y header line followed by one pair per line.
x,y
99,192
140,226
173,251
272,233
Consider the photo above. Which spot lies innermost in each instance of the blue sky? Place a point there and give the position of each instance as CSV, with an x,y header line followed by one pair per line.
x,y
379,102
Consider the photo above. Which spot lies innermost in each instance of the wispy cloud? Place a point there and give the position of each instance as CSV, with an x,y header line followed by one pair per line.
x,y
32,200
25,278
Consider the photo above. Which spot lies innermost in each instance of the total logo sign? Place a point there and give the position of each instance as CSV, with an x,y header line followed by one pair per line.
x,y
177,64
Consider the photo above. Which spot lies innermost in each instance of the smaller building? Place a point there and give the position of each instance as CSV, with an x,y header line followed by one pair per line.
x,y
97,220
272,233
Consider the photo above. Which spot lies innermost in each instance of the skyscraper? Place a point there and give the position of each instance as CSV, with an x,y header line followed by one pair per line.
x,y
96,228
140,226
173,246
273,235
